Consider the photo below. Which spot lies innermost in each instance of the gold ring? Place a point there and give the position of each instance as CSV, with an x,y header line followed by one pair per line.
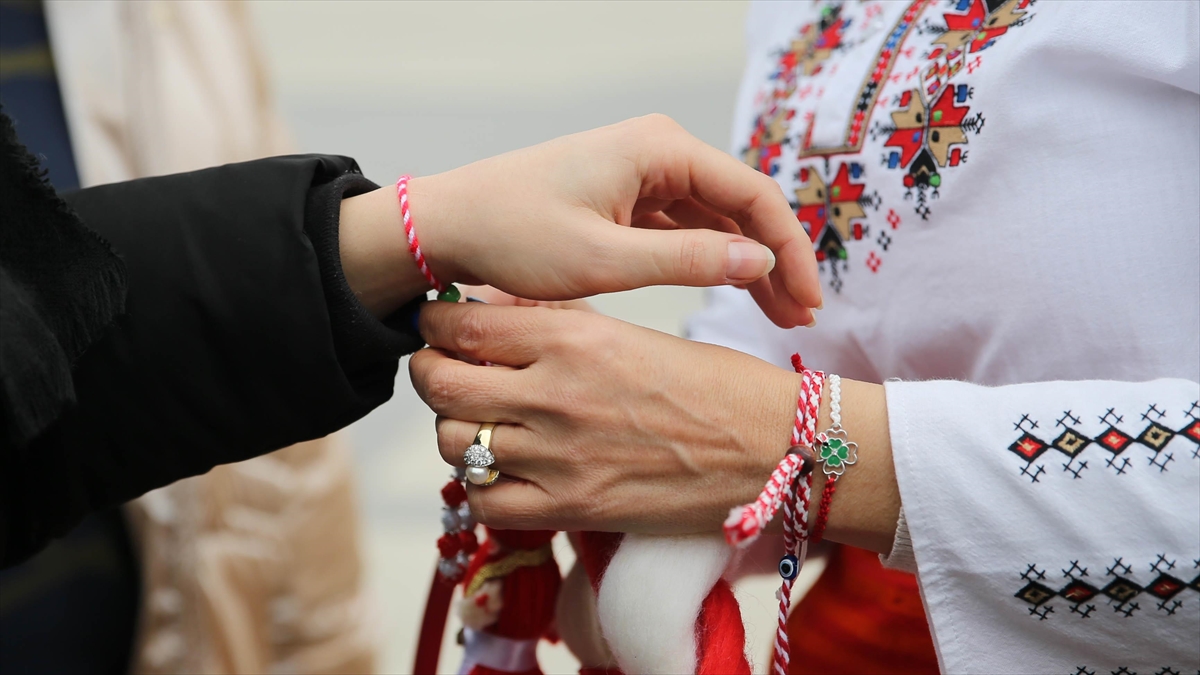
x,y
479,458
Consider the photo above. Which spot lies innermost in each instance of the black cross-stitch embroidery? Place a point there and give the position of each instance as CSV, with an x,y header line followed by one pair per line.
x,y
1075,470
1118,566
1162,564
1075,569
1033,475
1162,466
1067,416
1121,590
1073,442
1119,467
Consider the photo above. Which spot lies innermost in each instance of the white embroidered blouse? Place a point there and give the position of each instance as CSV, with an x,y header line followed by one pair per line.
x,y
1005,199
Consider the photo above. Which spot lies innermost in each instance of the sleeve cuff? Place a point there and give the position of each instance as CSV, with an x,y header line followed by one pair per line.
x,y
901,556
362,342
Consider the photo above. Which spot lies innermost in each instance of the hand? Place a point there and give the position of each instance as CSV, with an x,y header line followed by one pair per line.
x,y
608,426
605,425
634,204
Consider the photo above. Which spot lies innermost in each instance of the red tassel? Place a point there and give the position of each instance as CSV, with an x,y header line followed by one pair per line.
x,y
453,493
433,625
448,545
597,549
720,634
468,542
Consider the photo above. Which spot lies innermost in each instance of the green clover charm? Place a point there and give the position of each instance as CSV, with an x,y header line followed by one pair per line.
x,y
835,450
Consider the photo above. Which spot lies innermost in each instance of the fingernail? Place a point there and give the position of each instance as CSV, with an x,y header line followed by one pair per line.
x,y
748,261
812,323
821,304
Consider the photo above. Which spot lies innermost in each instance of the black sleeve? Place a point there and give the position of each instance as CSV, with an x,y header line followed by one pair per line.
x,y
240,337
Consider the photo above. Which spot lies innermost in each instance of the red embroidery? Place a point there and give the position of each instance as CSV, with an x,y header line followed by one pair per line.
x,y
924,134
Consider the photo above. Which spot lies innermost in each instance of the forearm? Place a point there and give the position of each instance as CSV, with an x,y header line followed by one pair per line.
x,y
239,339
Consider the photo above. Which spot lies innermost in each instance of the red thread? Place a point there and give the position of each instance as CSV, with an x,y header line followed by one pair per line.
x,y
789,489
823,510
410,233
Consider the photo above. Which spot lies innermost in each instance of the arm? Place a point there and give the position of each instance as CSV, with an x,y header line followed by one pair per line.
x,y
263,298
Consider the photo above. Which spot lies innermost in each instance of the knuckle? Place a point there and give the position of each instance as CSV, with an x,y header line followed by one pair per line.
x,y
693,255
472,332
661,122
558,331
440,386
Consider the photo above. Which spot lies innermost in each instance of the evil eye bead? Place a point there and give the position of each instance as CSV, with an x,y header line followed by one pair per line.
x,y
789,567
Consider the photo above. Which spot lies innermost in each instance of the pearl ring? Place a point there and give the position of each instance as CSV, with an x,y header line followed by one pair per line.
x,y
479,458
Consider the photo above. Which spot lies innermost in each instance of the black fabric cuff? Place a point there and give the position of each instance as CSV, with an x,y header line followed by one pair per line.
x,y
362,342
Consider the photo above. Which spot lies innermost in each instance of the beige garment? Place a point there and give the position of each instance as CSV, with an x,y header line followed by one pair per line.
x,y
253,567
161,86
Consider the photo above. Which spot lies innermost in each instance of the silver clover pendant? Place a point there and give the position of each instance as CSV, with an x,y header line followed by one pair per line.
x,y
836,451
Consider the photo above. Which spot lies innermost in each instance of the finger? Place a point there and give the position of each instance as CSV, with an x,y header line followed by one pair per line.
x,y
511,444
655,220
678,165
694,215
512,505
648,205
624,258
505,335
464,391
783,313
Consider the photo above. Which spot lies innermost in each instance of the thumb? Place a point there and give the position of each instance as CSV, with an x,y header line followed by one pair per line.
x,y
639,257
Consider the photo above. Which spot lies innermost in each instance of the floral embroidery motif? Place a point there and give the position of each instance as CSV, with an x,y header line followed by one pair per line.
x,y
1071,441
805,57
833,211
924,134
934,116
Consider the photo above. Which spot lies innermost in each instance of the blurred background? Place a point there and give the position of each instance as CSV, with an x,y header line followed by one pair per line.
x,y
420,88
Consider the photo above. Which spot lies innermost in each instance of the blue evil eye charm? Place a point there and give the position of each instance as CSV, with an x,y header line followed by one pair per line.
x,y
789,567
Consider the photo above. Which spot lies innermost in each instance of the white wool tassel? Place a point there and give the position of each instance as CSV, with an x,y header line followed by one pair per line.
x,y
650,597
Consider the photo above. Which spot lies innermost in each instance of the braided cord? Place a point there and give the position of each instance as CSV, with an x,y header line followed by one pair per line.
x,y
410,233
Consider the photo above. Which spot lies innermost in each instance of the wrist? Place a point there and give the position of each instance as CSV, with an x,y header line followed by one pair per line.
x,y
437,214
375,259
866,505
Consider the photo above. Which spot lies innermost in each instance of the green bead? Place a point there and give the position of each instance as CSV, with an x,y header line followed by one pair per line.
x,y
937,115
451,294
935,180
837,191
842,254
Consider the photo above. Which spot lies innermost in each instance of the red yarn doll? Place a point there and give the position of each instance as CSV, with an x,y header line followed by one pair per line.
x,y
510,591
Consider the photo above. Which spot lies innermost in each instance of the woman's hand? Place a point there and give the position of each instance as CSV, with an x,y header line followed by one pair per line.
x,y
609,426
634,204
604,425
